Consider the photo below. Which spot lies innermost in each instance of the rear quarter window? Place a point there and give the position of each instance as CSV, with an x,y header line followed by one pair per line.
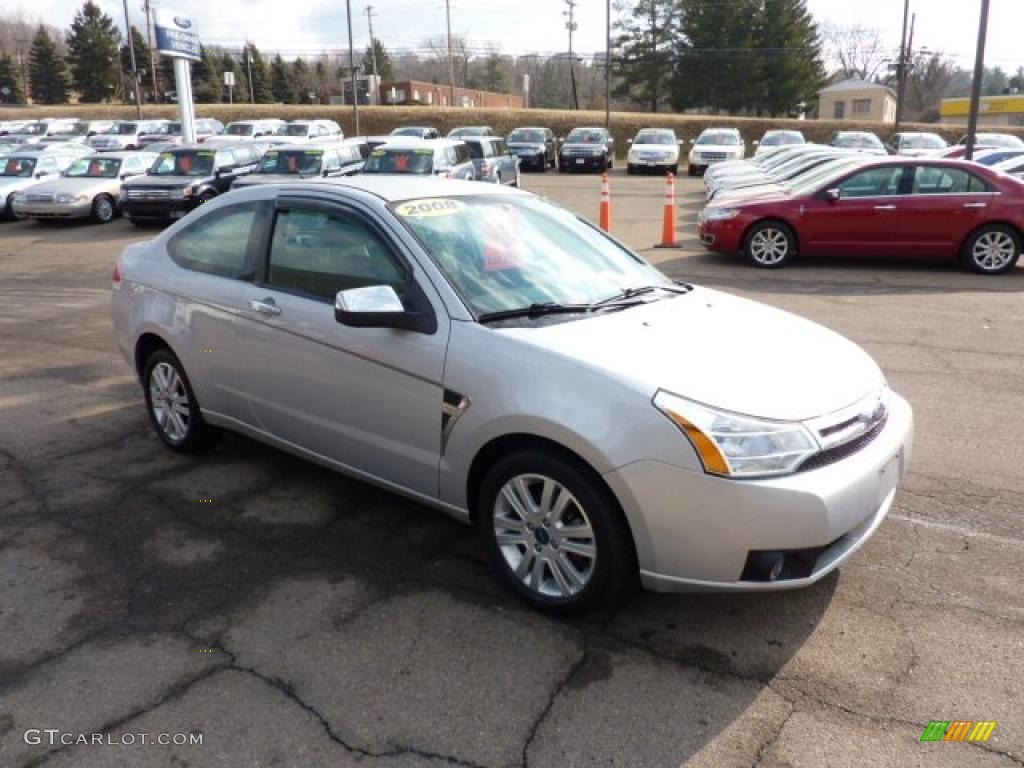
x,y
219,243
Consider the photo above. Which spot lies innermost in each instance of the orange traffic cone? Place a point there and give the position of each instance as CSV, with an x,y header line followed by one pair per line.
x,y
606,204
668,226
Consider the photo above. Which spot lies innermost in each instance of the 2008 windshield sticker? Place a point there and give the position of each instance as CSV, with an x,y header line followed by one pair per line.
x,y
422,209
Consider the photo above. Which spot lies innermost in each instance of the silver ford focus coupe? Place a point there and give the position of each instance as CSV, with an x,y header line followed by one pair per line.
x,y
490,354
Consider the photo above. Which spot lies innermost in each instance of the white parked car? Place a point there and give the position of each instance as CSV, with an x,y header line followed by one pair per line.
x,y
775,139
917,144
653,149
299,131
124,135
715,145
26,169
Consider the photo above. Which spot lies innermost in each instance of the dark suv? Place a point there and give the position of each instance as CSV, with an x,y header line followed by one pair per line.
x,y
184,178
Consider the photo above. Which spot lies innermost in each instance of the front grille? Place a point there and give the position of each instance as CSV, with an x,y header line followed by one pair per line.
x,y
845,450
149,194
572,152
713,155
38,197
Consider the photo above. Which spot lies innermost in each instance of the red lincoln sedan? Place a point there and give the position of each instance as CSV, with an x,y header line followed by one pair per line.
x,y
884,207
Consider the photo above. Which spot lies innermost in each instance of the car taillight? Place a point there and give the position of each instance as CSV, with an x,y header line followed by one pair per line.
x,y
116,278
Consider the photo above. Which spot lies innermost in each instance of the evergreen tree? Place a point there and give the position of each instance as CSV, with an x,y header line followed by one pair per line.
x,y
255,67
240,92
165,75
282,85
93,44
643,51
385,69
10,84
208,82
788,54
494,74
304,80
715,62
47,70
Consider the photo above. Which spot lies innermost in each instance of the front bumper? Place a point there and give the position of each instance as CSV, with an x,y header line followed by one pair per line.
x,y
695,532
54,210
158,210
725,235
588,163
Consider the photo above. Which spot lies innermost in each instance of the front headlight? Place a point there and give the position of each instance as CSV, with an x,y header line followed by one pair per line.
x,y
66,198
187,191
720,214
732,445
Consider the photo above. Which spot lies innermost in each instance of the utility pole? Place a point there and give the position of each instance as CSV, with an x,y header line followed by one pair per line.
x,y
451,59
901,67
571,26
373,55
979,71
131,58
152,54
21,65
608,65
248,72
352,67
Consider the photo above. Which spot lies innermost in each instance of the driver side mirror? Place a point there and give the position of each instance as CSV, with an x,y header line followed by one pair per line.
x,y
833,195
378,306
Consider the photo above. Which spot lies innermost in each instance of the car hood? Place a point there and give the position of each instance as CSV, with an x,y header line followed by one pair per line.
x,y
768,192
78,186
584,145
722,351
165,182
10,184
654,147
537,145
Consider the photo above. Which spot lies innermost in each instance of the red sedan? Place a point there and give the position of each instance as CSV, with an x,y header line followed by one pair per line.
x,y
885,207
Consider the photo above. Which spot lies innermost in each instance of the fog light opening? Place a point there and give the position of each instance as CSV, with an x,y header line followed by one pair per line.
x,y
765,566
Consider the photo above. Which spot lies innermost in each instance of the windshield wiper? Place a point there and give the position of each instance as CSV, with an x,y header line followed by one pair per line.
x,y
630,293
535,310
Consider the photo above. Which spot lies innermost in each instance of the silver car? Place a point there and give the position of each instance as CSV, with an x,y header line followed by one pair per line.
x,y
28,168
124,135
487,353
90,187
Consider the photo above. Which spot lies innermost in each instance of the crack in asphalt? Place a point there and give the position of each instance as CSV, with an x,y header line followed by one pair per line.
x,y
556,691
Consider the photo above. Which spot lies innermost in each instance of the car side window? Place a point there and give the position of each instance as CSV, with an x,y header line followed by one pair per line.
x,y
318,254
219,242
876,182
332,162
500,148
462,153
930,180
48,165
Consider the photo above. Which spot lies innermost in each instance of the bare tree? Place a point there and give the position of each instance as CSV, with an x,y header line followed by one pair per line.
x,y
929,80
856,50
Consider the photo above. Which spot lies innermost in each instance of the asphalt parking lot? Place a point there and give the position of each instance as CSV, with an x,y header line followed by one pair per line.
x,y
292,617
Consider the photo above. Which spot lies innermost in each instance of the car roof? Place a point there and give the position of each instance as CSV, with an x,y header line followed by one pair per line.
x,y
392,188
590,128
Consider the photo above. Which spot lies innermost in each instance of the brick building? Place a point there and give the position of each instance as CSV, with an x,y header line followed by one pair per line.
x,y
413,92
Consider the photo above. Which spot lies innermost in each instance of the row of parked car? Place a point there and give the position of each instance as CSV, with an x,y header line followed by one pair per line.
x,y
814,199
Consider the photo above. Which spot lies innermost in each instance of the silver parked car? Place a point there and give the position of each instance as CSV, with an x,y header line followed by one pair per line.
x,y
288,163
90,187
493,161
28,168
488,353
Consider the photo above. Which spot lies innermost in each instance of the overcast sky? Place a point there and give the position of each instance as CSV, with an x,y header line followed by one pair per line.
x,y
524,26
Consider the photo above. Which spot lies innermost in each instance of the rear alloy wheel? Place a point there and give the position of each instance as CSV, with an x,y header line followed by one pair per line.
x,y
103,209
172,405
556,537
992,250
769,245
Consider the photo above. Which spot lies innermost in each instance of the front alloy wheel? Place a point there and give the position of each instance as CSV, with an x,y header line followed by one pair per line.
x,y
768,245
555,533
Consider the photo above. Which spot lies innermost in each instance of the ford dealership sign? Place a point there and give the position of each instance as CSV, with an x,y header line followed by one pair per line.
x,y
176,35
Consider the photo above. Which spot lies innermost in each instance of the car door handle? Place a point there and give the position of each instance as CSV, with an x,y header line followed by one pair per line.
x,y
975,205
885,207
266,307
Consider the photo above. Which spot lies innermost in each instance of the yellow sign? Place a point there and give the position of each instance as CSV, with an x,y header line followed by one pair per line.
x,y
990,105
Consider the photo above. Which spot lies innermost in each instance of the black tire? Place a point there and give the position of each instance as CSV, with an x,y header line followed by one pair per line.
x,y
675,169
10,209
611,575
691,170
611,162
197,434
630,169
769,244
977,258
104,209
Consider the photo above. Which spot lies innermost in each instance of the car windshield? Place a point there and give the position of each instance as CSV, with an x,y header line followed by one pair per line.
x,y
197,162
526,135
506,253
293,130
857,140
923,141
94,168
408,131
654,138
782,138
721,138
237,129
469,131
19,166
124,129
33,129
584,136
416,161
292,161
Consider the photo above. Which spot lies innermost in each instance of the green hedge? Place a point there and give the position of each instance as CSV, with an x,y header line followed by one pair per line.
x,y
380,120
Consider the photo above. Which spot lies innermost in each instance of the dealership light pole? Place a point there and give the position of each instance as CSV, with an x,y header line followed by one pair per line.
x,y
979,71
901,67
373,56
131,58
148,8
451,59
352,68
608,64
